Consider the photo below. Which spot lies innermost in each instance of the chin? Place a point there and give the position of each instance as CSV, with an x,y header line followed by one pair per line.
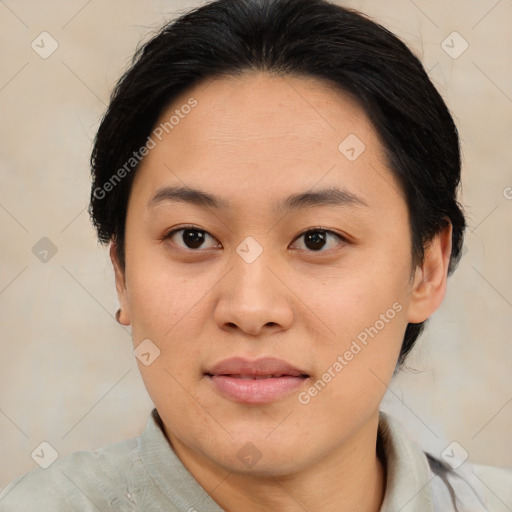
x,y
266,467
260,457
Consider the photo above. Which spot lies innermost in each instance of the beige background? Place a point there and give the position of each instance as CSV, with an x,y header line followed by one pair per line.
x,y
67,371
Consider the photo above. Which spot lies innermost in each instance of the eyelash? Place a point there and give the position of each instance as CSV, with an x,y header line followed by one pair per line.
x,y
310,230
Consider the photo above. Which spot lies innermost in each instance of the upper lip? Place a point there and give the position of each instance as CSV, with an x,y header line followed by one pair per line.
x,y
257,367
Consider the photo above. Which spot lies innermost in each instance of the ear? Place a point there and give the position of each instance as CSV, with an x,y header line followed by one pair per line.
x,y
430,278
124,316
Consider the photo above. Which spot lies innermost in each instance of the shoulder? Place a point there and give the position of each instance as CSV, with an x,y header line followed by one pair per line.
x,y
83,481
498,484
470,487
447,483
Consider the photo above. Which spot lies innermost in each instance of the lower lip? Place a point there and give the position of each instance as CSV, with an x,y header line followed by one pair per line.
x,y
256,391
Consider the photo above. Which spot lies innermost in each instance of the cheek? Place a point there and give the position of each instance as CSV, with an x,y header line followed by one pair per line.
x,y
365,342
159,294
366,312
359,295
168,307
353,372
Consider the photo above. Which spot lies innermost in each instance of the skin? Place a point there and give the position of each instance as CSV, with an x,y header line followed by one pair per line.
x,y
253,140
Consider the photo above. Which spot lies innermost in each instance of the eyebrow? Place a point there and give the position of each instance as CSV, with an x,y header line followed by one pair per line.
x,y
332,196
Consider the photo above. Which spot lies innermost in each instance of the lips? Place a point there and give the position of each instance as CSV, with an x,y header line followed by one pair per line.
x,y
255,382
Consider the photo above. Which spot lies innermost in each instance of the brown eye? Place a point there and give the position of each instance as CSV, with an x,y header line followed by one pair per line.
x,y
191,238
316,239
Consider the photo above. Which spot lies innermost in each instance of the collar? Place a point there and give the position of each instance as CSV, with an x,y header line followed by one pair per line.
x,y
168,473
408,473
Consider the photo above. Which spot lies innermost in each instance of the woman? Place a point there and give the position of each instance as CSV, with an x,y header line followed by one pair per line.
x,y
317,167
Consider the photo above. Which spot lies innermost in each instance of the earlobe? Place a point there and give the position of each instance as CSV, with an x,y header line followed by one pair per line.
x,y
123,314
429,287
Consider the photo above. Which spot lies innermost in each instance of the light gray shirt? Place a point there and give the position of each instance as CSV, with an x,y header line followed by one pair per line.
x,y
144,474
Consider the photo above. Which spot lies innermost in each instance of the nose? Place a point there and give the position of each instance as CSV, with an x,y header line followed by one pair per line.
x,y
253,298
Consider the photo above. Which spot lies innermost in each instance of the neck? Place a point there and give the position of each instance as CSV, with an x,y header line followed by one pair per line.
x,y
330,491
352,478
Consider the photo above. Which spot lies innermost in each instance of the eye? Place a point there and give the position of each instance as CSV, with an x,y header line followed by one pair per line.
x,y
192,237
316,239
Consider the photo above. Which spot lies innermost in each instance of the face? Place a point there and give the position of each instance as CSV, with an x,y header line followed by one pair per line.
x,y
297,264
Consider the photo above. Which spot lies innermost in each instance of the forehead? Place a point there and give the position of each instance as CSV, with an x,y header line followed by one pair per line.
x,y
266,135
258,106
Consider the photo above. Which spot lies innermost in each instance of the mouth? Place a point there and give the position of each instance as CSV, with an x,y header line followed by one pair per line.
x,y
259,381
